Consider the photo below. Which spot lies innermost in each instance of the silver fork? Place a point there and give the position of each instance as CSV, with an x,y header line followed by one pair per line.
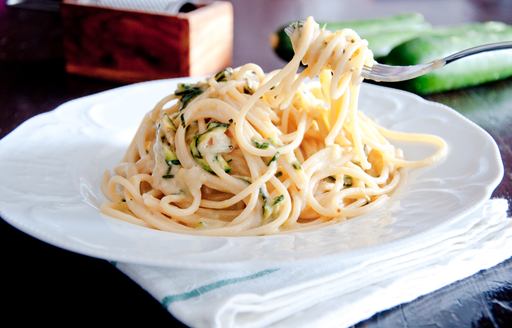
x,y
387,73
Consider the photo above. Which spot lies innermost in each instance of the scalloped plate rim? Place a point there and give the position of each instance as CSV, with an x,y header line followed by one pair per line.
x,y
78,248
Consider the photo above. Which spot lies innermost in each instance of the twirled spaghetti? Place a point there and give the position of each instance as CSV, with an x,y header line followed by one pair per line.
x,y
249,153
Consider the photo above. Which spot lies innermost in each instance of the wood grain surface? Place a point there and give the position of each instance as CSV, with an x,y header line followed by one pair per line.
x,y
130,46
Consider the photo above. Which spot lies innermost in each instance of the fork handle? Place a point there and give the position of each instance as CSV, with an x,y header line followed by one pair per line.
x,y
478,49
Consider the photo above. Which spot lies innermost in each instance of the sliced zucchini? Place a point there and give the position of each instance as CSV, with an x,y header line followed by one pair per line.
x,y
213,128
197,155
270,207
168,124
267,206
473,70
215,125
170,156
273,159
222,162
223,75
260,144
383,34
187,92
277,201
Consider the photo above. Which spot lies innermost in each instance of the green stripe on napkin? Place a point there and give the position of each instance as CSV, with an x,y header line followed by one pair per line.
x,y
168,300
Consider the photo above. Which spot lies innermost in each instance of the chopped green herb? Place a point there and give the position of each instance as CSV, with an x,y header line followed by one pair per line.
x,y
167,176
347,181
279,174
297,166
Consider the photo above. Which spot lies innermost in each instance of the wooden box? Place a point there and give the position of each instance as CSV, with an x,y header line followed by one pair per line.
x,y
129,46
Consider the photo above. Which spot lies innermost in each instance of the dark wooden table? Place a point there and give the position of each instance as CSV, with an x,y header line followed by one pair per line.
x,y
46,285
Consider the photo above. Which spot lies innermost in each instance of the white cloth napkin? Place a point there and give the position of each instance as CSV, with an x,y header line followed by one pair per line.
x,y
330,294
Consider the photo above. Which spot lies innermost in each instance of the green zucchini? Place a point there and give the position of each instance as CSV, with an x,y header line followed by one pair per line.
x,y
465,72
273,158
223,75
270,206
260,144
170,159
277,201
378,25
187,92
267,206
170,156
168,123
382,33
197,155
223,163
212,127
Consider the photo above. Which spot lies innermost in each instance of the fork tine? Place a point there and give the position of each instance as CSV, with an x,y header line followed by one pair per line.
x,y
292,27
289,30
386,73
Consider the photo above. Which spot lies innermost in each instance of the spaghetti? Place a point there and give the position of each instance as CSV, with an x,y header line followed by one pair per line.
x,y
249,153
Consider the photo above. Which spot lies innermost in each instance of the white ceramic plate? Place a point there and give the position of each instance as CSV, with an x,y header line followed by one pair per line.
x,y
51,168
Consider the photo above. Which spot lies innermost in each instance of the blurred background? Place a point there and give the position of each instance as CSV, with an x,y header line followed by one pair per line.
x,y
251,34
38,35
